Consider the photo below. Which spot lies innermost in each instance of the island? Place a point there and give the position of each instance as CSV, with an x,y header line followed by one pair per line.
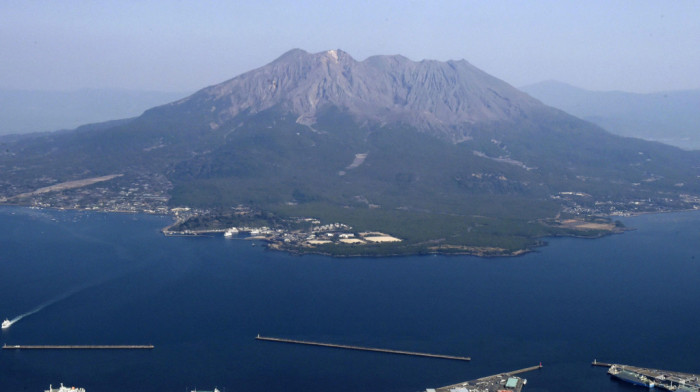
x,y
357,158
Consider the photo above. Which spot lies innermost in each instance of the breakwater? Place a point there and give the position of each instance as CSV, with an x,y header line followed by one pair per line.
x,y
78,347
360,348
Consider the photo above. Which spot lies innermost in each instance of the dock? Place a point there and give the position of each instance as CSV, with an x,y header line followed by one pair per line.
x,y
360,348
602,364
78,347
666,379
506,381
524,370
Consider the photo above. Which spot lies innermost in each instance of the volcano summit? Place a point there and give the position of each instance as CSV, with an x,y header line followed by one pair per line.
x,y
382,89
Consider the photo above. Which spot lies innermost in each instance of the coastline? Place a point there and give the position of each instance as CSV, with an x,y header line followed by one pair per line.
x,y
589,228
356,251
447,250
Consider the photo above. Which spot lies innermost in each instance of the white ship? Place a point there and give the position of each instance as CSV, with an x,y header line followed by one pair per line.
x,y
65,389
6,324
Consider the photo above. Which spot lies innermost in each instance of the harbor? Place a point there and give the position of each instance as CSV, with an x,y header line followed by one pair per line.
x,y
360,348
78,347
507,381
653,378
233,291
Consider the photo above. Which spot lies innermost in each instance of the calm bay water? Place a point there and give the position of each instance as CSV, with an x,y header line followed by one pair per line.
x,y
631,298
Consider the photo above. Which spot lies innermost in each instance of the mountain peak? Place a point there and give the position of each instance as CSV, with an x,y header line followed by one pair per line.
x,y
429,94
300,55
292,54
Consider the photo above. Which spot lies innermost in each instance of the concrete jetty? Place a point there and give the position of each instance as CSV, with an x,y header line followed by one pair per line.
x,y
524,370
78,347
360,348
506,381
667,379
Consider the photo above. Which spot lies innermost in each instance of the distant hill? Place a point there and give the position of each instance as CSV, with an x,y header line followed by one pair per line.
x,y
671,117
39,111
440,154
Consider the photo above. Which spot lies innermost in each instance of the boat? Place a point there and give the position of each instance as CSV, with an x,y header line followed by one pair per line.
x,y
64,389
631,377
6,324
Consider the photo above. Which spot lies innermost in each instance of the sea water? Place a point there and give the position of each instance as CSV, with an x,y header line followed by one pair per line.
x,y
632,298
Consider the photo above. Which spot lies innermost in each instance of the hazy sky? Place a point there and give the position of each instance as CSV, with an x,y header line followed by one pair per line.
x,y
635,45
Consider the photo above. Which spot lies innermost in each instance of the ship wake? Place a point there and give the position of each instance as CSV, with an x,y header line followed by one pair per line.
x,y
44,305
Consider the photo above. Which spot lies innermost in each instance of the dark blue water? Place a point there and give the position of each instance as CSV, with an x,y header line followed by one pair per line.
x,y
631,298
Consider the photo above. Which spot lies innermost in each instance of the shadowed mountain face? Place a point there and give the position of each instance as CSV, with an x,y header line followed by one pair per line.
x,y
434,152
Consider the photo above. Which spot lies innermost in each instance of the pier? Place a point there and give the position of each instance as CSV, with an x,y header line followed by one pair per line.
x,y
524,370
492,383
78,347
346,347
666,379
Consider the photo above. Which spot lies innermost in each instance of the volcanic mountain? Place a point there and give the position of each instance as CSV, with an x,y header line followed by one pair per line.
x,y
441,154
445,97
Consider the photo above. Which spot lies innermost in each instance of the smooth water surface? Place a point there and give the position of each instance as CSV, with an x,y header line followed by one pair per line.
x,y
114,279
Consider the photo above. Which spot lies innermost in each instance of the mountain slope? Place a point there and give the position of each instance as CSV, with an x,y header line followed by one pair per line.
x,y
441,155
670,117
381,89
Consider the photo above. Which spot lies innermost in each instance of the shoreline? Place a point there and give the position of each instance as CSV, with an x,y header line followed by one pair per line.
x,y
300,251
